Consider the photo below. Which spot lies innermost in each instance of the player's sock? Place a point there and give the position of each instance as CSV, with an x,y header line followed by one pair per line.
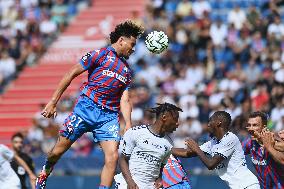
x,y
103,187
48,167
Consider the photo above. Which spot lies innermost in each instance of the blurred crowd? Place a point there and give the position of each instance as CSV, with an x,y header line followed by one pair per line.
x,y
223,55
27,27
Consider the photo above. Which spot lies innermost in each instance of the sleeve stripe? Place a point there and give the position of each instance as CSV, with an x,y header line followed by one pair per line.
x,y
219,154
126,154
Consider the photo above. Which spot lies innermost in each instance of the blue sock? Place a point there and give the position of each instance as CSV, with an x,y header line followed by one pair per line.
x,y
103,187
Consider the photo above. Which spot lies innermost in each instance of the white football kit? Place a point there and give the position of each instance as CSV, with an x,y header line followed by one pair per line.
x,y
147,153
8,177
233,169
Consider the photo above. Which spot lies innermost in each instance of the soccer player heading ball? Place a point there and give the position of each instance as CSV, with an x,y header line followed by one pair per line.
x,y
102,97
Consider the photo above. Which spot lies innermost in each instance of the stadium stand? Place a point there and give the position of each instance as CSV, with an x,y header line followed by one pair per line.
x,y
35,84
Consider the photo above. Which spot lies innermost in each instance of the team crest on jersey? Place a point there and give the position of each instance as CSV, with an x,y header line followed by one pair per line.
x,y
86,56
110,58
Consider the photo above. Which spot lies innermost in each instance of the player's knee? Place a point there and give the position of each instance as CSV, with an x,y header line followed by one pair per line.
x,y
111,159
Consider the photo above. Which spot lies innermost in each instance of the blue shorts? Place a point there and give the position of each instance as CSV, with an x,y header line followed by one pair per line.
x,y
181,185
88,116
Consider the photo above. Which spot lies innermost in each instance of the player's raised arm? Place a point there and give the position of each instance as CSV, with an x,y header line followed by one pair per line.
x,y
50,108
126,109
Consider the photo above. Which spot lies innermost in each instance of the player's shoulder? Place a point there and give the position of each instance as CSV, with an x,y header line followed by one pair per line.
x,y
229,136
4,148
98,51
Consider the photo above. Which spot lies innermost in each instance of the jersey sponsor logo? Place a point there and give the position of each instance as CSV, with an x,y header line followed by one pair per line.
x,y
86,56
157,146
110,73
147,157
257,162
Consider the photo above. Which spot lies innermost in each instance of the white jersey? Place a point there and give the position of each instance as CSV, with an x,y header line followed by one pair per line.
x,y
147,153
8,177
233,169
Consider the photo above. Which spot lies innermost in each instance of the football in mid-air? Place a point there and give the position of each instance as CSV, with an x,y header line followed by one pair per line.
x,y
157,42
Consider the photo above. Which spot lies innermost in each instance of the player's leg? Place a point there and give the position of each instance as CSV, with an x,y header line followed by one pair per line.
x,y
110,149
107,133
74,128
61,146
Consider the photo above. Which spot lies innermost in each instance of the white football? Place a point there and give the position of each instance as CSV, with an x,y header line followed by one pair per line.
x,y
157,42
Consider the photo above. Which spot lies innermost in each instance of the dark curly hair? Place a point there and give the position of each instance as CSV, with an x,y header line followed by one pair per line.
x,y
127,29
166,107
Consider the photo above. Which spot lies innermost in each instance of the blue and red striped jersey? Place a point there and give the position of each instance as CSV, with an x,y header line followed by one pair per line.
x,y
173,172
108,77
270,174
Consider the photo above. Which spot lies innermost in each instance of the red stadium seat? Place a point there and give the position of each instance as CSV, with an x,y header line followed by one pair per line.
x,y
35,85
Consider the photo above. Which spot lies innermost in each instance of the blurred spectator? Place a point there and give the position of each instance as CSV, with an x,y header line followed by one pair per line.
x,y
218,33
7,66
184,8
200,7
59,14
276,28
237,17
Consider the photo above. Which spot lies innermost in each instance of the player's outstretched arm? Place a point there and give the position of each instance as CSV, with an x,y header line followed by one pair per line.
x,y
210,163
50,108
124,166
181,152
126,109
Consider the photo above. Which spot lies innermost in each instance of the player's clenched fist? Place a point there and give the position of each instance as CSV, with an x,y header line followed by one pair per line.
x,y
49,110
